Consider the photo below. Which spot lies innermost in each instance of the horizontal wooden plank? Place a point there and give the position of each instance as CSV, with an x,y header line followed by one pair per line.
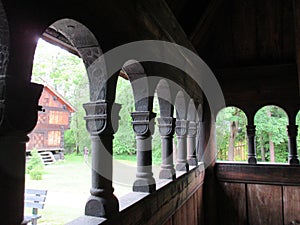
x,y
34,198
258,174
36,191
39,205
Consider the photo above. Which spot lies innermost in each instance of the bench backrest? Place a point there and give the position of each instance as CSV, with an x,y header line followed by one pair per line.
x,y
35,198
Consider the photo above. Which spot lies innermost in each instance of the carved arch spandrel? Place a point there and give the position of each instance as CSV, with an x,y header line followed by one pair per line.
x,y
89,50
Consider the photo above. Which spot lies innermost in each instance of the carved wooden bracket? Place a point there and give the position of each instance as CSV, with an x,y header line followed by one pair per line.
x,y
181,128
250,130
101,117
192,131
166,126
18,105
143,124
292,131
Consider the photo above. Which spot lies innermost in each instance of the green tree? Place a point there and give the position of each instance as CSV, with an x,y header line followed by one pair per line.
x,y
271,136
35,166
230,131
298,136
124,141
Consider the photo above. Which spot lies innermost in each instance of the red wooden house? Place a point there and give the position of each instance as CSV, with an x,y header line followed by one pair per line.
x,y
48,135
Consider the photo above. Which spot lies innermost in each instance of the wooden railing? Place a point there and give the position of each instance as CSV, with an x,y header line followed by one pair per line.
x,y
177,202
258,194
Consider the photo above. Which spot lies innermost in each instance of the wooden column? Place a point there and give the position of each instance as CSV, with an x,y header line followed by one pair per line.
x,y
102,202
143,127
18,116
181,132
167,128
251,144
292,131
191,144
201,140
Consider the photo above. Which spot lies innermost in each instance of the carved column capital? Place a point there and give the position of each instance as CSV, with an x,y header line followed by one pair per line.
x,y
250,130
251,144
192,130
142,123
166,126
101,117
18,105
181,128
292,131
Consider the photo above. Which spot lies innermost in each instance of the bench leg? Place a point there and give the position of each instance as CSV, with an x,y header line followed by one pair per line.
x,y
34,222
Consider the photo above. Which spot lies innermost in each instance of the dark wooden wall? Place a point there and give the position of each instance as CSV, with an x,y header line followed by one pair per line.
x,y
258,194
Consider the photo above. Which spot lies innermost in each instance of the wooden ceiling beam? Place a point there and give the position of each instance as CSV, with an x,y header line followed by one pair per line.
x,y
56,38
205,22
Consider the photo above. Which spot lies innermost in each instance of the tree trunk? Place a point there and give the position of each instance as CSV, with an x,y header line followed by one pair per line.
x,y
233,130
271,143
262,149
272,151
77,135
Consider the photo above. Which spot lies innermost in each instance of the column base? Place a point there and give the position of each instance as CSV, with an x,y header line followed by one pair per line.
x,y
167,174
182,167
105,207
252,160
193,161
144,185
293,161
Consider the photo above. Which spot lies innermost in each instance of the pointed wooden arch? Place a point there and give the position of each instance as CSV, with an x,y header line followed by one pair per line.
x,y
4,41
137,76
181,105
165,99
89,50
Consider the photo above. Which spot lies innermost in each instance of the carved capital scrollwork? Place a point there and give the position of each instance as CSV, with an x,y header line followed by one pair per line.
x,y
143,124
292,131
181,128
192,131
250,130
101,118
18,105
166,126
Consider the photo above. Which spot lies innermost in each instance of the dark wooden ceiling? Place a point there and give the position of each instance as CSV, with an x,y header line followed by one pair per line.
x,y
239,32
249,44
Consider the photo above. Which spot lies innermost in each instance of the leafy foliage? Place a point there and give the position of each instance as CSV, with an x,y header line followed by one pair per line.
x,y
298,137
224,119
35,166
124,141
271,122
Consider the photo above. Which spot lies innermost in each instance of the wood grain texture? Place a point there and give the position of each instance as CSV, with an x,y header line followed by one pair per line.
x,y
269,29
264,204
191,211
169,222
232,204
291,203
258,174
244,30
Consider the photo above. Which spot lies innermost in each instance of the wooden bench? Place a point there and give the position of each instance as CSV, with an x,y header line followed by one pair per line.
x,y
34,199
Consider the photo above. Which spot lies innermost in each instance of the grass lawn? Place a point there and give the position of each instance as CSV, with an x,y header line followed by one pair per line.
x,y
68,183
